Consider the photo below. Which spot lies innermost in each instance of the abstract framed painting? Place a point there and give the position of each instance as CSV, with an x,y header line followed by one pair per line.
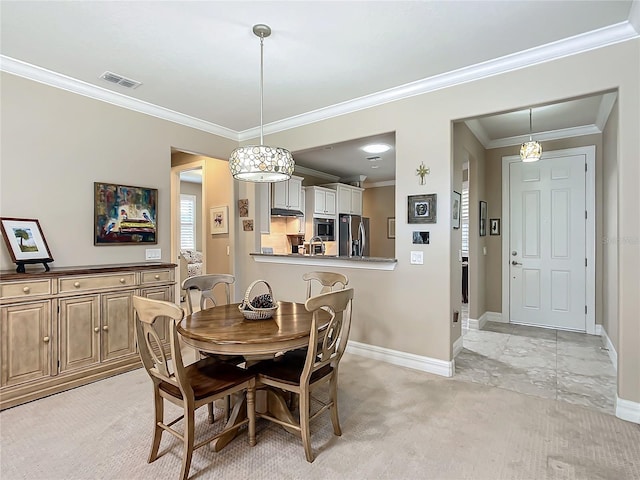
x,y
125,215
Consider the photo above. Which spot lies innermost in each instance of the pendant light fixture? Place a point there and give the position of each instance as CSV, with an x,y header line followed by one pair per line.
x,y
260,163
530,151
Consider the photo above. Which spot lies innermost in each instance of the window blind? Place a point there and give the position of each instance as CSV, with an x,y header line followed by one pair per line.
x,y
464,219
187,222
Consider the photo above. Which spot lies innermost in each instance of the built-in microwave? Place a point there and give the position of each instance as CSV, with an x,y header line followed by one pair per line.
x,y
324,228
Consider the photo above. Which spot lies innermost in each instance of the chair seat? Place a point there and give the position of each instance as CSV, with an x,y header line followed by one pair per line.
x,y
209,377
288,368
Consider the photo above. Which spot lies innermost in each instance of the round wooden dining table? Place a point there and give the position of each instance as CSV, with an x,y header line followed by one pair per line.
x,y
223,330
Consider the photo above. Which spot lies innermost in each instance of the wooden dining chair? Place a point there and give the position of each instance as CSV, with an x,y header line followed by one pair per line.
x,y
300,376
205,285
190,387
328,281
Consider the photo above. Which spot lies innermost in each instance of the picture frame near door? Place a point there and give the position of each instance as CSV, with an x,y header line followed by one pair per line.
x,y
483,218
219,219
391,227
456,201
422,208
494,226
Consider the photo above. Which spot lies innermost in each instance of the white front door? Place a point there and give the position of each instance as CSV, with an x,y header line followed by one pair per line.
x,y
547,242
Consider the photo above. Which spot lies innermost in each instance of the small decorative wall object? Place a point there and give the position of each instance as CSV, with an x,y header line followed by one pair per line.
x,y
247,225
124,215
219,218
483,218
456,201
391,227
25,242
494,226
243,207
422,208
421,238
422,172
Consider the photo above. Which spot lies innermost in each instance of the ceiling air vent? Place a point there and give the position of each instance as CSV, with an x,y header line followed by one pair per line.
x,y
120,80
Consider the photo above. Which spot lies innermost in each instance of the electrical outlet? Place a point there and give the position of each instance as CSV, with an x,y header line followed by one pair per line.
x,y
417,258
153,254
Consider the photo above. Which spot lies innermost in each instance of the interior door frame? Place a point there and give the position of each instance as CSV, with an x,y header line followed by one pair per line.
x,y
590,240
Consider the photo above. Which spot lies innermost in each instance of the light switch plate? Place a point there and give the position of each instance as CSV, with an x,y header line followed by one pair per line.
x,y
153,254
417,258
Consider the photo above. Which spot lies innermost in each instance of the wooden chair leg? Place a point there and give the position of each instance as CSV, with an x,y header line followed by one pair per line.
x,y
251,413
188,438
304,424
158,404
210,410
333,394
227,408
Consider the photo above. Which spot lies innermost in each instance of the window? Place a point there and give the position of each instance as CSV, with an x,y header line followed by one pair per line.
x,y
464,219
187,222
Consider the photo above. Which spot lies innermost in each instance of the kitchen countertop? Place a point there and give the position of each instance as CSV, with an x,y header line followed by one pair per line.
x,y
373,263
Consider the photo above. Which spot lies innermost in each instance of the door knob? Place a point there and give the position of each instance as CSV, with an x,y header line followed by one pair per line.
x,y
515,263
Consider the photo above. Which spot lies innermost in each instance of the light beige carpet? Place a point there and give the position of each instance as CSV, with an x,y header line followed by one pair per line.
x,y
397,424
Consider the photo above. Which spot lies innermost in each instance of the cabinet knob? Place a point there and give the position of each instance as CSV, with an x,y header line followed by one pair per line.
x,y
77,284
96,329
45,339
157,277
26,289
122,280
105,328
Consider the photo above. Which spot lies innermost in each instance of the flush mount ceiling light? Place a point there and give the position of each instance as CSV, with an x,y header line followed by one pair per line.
x,y
260,163
530,151
376,148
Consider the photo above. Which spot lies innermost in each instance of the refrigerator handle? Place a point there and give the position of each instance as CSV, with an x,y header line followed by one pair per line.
x,y
363,238
350,244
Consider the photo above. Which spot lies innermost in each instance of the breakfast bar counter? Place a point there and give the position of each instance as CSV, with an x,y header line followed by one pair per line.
x,y
371,263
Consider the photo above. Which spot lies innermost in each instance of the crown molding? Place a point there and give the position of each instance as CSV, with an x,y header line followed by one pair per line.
x,y
53,79
545,136
382,183
315,173
606,105
580,43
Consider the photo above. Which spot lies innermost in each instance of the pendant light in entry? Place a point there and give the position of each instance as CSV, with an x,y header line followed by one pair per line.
x,y
261,163
530,151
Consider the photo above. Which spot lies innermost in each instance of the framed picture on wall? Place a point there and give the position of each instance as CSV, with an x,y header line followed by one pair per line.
x,y
219,219
483,218
422,208
456,200
124,215
391,227
494,226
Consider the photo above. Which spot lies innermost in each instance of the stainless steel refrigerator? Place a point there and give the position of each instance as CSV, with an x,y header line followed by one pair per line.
x,y
353,236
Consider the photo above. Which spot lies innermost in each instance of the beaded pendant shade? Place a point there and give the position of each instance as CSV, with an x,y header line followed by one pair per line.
x,y
260,163
530,151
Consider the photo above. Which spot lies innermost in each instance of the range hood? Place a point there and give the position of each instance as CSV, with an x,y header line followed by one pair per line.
x,y
283,212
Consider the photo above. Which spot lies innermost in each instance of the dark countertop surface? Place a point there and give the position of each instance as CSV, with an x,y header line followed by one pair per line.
x,y
327,257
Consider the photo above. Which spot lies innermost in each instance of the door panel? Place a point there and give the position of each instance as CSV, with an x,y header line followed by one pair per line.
x,y
117,325
79,332
547,236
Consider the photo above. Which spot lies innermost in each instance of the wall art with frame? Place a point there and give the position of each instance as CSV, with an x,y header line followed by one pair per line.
x,y
494,226
124,215
219,219
25,242
422,208
456,201
483,218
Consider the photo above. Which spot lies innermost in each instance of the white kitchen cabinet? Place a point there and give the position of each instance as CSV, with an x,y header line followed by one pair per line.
x,y
321,202
287,194
349,198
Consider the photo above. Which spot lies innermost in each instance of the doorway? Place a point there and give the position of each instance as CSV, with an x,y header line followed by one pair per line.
x,y
548,245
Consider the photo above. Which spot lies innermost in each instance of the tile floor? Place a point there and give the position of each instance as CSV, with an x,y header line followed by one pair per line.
x,y
566,366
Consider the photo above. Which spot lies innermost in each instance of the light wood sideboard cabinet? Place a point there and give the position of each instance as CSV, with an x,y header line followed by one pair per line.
x,y
72,326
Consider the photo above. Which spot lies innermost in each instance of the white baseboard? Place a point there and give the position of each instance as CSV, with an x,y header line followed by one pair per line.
x,y
613,355
477,324
457,346
403,359
484,318
627,410
495,317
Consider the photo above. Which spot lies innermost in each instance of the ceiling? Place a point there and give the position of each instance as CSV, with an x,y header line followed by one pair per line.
x,y
199,61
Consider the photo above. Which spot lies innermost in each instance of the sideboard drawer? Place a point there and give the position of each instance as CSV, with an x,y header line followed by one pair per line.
x,y
95,282
30,288
155,276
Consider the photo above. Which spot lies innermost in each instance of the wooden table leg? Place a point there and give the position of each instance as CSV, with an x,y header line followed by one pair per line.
x,y
277,408
238,414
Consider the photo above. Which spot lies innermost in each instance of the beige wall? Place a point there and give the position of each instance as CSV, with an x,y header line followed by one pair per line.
x,y
378,203
609,238
72,141
493,187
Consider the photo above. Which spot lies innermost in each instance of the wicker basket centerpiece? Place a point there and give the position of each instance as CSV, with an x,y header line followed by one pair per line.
x,y
260,307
